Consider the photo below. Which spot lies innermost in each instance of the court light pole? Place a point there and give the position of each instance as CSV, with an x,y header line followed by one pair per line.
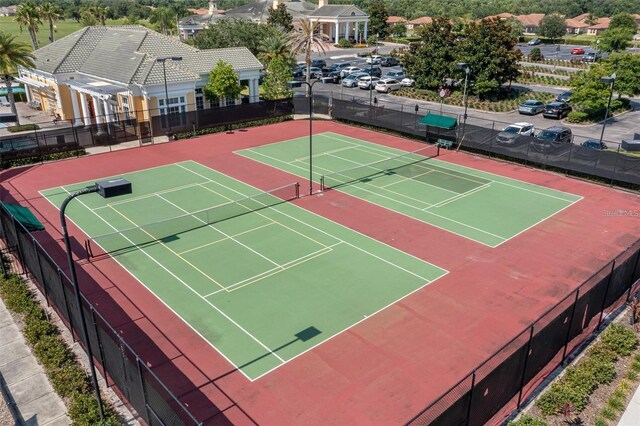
x,y
292,85
166,90
610,81
467,70
74,276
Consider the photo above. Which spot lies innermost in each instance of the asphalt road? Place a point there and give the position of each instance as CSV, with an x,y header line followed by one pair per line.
x,y
618,128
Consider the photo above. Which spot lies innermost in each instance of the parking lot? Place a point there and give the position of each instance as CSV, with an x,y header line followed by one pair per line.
x,y
618,128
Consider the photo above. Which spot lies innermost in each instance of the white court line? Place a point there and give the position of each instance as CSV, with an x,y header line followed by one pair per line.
x,y
346,242
460,196
272,271
226,239
143,197
187,286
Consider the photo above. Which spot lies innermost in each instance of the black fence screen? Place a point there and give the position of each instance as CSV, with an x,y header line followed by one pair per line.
x,y
118,363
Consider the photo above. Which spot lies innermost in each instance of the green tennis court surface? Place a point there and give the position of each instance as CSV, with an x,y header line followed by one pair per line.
x,y
483,207
262,280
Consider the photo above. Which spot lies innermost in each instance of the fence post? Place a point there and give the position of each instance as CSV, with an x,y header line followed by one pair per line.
x,y
606,293
473,385
100,350
66,305
635,266
615,166
524,367
44,284
566,339
144,390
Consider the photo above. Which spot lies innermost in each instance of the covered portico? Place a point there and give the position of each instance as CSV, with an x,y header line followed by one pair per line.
x,y
93,98
340,22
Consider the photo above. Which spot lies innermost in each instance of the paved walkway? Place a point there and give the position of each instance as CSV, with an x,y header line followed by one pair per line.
x,y
25,382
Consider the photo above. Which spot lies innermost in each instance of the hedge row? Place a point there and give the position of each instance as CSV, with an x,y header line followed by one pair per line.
x,y
42,158
220,129
571,392
66,375
22,128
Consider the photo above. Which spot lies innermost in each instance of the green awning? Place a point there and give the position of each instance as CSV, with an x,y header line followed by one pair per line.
x,y
24,216
436,120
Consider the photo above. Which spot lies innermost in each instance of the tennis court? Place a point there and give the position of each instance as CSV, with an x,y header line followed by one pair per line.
x,y
483,207
259,278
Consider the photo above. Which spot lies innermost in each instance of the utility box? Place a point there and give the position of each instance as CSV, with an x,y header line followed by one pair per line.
x,y
114,187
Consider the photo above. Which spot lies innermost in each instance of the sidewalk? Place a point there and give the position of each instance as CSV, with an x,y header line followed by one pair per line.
x,y
631,416
25,382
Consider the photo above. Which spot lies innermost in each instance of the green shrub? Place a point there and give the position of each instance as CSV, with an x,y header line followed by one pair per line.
x,y
602,371
635,366
620,339
344,43
84,411
36,328
632,375
527,420
559,395
615,403
69,379
16,294
601,351
577,117
608,413
219,129
23,128
51,352
600,422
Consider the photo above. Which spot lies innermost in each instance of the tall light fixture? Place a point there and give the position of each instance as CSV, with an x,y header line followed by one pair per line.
x,y
106,189
610,81
292,85
467,70
166,91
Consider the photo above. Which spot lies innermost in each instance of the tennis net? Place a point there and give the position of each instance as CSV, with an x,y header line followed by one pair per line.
x,y
167,229
407,165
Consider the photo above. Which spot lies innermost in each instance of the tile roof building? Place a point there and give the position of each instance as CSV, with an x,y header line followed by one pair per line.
x,y
102,74
338,21
419,21
599,26
530,22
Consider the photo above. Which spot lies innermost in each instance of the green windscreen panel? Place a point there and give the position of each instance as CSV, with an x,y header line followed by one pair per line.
x,y
24,216
436,120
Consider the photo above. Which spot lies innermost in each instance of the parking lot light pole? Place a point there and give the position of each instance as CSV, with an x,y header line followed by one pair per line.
x,y
610,81
74,276
292,85
166,91
467,70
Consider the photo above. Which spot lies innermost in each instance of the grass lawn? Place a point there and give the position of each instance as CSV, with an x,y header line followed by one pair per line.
x,y
62,28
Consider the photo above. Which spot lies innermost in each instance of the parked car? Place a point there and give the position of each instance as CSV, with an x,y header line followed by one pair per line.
x,y
298,70
591,57
577,51
367,82
408,82
339,66
388,61
349,70
318,63
534,42
513,133
564,97
314,72
374,71
352,79
531,107
397,74
386,85
590,149
556,110
334,76
374,59
552,139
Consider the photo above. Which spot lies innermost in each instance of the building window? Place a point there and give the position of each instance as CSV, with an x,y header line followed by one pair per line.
x,y
176,110
124,99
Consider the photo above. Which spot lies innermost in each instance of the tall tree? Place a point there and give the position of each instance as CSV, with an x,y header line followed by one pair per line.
x,y
489,49
100,12
223,83
179,10
162,17
378,16
281,17
399,29
28,16
552,26
275,46
626,66
623,20
12,55
517,28
433,58
305,40
278,73
50,13
614,40
233,33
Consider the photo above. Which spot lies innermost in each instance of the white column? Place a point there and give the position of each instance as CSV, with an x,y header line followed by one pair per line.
x,y
97,106
86,117
347,29
365,31
74,104
27,91
337,29
107,110
254,94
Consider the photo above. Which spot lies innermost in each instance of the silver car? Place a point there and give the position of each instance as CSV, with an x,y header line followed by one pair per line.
x,y
348,71
352,79
513,133
367,82
386,85
531,107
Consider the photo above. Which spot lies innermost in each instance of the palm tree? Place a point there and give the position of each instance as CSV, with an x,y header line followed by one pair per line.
x,y
100,12
179,10
163,17
52,13
274,46
304,40
12,55
28,16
